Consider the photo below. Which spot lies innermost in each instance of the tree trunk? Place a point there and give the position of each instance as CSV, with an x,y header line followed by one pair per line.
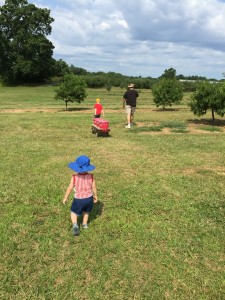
x,y
213,116
66,105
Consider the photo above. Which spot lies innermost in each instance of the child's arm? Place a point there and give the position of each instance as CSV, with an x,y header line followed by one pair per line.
x,y
68,191
94,189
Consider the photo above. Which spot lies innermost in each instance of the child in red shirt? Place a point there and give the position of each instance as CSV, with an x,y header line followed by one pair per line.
x,y
85,191
98,109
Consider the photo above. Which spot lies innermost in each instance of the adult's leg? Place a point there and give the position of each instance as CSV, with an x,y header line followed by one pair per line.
x,y
128,119
128,111
132,115
131,118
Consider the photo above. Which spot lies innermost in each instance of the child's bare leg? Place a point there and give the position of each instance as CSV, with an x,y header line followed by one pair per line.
x,y
73,217
85,218
76,230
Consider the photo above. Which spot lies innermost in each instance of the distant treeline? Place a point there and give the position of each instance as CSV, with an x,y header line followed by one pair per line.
x,y
112,79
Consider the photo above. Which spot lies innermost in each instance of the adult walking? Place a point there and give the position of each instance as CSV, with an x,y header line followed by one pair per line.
x,y
129,102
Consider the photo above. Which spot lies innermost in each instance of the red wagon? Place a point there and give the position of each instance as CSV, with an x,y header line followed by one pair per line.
x,y
100,127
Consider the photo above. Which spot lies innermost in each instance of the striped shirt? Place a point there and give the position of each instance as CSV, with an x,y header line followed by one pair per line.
x,y
83,185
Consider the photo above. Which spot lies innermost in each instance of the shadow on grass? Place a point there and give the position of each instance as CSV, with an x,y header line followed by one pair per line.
x,y
97,211
207,122
168,109
71,109
146,129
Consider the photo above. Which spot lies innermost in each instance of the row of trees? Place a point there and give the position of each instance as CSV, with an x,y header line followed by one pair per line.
x,y
207,96
110,79
166,92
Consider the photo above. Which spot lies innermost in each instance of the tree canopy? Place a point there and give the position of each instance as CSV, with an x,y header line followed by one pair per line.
x,y
208,96
167,91
71,89
169,73
25,52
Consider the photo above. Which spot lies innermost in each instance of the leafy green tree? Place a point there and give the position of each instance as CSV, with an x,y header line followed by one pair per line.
x,y
72,89
77,71
61,68
208,96
189,86
25,52
108,87
169,73
96,81
167,92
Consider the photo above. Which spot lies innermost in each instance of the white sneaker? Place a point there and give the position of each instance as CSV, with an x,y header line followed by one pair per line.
x,y
128,126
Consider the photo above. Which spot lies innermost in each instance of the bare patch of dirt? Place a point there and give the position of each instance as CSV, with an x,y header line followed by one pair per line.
x,y
45,110
29,110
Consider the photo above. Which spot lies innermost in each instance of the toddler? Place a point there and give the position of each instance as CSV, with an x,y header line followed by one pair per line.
x,y
85,195
98,109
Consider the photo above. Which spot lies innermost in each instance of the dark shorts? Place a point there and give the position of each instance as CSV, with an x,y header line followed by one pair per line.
x,y
82,205
97,116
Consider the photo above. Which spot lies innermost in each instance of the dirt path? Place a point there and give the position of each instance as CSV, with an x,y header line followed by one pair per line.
x,y
192,127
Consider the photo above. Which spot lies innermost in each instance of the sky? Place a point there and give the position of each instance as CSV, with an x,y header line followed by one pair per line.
x,y
140,37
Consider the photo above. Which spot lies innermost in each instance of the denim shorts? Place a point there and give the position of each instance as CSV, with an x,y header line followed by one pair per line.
x,y
82,205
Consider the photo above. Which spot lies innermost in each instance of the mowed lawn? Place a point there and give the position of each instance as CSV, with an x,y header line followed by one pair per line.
x,y
157,231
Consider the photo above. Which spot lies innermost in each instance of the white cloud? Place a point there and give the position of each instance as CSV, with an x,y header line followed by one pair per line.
x,y
140,37
147,37
123,23
104,25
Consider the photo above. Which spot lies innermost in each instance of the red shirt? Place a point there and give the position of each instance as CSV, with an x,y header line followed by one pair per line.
x,y
99,108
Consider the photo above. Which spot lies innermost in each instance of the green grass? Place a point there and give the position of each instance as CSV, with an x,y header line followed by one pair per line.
x,y
173,124
155,128
158,229
209,128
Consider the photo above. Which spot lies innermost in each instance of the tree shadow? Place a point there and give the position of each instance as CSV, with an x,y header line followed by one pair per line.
x,y
71,109
167,109
216,122
97,211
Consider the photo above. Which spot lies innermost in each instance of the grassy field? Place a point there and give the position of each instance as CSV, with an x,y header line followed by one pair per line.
x,y
157,231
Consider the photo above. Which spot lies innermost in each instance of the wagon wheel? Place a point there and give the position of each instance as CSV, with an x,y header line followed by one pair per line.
x,y
97,133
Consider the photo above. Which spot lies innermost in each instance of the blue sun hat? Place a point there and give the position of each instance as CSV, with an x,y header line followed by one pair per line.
x,y
81,164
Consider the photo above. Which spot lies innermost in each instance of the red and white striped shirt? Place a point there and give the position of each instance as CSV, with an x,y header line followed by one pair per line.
x,y
83,185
